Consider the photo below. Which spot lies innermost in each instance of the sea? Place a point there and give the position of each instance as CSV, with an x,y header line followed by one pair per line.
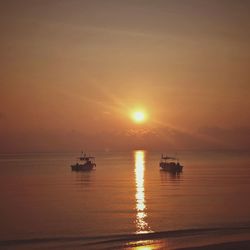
x,y
127,202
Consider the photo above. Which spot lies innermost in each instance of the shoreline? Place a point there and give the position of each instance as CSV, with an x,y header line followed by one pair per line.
x,y
190,239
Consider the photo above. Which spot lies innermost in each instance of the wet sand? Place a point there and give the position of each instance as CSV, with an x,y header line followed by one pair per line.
x,y
242,245
190,239
144,244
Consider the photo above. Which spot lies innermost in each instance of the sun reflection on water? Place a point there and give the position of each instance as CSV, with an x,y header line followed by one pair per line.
x,y
141,224
147,245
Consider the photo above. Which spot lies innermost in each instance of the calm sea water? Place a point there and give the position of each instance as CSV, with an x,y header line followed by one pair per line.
x,y
41,198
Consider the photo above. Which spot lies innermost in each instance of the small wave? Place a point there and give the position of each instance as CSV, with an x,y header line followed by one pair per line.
x,y
96,240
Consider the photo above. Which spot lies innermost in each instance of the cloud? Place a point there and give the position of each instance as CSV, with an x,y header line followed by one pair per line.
x,y
236,138
162,139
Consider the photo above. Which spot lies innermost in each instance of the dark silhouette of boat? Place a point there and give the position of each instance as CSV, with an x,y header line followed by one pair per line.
x,y
170,164
84,163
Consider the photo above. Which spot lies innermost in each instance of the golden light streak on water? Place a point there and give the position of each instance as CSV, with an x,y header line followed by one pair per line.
x,y
141,215
147,245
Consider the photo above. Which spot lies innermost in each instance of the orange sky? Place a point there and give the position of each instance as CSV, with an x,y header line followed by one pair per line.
x,y
72,71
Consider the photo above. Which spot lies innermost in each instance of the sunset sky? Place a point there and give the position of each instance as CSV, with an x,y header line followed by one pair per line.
x,y
72,73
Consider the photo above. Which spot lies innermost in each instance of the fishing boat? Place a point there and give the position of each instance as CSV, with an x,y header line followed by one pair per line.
x,y
170,164
84,163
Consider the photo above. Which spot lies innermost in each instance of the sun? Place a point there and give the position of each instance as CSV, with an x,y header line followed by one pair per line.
x,y
138,116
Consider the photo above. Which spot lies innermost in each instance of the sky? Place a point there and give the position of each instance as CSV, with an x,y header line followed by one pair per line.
x,y
73,71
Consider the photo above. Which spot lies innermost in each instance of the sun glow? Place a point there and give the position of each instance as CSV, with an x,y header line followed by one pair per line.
x,y
138,116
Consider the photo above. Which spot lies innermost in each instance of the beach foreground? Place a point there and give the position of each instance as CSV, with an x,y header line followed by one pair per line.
x,y
146,245
207,239
243,245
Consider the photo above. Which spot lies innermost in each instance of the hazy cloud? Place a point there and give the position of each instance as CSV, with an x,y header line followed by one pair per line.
x,y
232,138
163,139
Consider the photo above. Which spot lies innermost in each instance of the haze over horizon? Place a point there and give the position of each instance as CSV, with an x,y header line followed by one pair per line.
x,y
73,71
